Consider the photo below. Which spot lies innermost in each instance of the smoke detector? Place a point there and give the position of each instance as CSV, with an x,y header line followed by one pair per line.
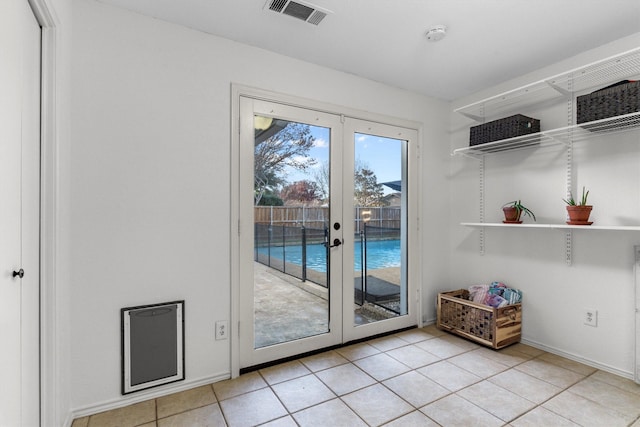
x,y
436,33
298,9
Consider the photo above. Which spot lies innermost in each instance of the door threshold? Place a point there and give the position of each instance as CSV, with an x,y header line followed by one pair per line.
x,y
320,350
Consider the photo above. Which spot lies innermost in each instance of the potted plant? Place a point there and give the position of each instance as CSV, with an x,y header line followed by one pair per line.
x,y
578,212
513,210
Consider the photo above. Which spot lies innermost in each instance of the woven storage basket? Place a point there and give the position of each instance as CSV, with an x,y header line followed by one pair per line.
x,y
609,102
507,127
493,327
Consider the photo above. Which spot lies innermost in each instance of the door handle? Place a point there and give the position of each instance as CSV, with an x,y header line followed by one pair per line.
x,y
336,242
19,273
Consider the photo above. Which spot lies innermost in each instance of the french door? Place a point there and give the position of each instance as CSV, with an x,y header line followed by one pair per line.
x,y
325,212
381,247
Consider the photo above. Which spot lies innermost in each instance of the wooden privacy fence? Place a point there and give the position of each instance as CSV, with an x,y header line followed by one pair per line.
x,y
318,217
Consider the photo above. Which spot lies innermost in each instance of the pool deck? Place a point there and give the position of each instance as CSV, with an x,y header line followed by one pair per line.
x,y
287,308
284,311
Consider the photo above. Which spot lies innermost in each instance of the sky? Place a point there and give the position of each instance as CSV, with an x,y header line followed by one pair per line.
x,y
382,155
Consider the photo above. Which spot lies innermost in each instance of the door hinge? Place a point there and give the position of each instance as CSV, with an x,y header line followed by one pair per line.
x,y
238,227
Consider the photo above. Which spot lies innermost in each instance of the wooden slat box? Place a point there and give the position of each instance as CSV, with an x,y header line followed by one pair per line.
x,y
493,327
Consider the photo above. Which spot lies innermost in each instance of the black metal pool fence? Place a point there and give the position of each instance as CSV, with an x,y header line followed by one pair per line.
x,y
272,241
270,249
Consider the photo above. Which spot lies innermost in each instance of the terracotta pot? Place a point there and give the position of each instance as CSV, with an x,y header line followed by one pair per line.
x,y
511,215
579,214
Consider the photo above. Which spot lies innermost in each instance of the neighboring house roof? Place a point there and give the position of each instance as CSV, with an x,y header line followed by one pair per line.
x,y
394,185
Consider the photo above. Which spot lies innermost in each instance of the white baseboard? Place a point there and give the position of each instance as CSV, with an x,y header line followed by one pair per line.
x,y
142,396
68,420
575,357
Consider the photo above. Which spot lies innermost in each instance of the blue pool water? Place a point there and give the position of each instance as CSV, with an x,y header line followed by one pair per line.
x,y
380,254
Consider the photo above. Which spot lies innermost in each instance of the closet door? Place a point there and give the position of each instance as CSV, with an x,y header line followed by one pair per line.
x,y
19,214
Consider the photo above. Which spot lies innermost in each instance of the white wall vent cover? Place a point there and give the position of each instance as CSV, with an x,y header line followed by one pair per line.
x,y
298,9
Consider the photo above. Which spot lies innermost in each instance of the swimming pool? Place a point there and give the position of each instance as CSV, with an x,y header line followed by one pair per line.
x,y
380,254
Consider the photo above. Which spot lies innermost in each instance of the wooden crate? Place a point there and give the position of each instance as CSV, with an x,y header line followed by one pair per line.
x,y
493,327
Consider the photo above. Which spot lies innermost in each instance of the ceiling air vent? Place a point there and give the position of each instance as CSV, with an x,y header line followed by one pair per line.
x,y
301,10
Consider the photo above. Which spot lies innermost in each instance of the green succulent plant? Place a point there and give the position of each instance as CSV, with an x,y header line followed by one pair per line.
x,y
583,200
520,208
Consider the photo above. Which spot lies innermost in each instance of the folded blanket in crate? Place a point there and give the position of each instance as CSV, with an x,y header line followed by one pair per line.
x,y
478,293
495,295
495,301
513,296
497,288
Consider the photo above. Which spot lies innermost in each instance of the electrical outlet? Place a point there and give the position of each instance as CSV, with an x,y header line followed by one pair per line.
x,y
222,330
590,317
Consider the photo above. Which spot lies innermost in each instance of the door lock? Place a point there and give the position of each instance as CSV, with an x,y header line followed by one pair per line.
x,y
336,242
19,273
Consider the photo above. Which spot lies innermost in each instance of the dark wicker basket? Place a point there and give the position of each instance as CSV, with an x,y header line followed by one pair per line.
x,y
508,127
609,102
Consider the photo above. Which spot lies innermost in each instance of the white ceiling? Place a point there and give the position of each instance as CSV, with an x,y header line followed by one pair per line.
x,y
488,41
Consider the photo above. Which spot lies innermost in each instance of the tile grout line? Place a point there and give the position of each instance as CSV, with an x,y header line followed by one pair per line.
x,y
508,368
525,357
380,382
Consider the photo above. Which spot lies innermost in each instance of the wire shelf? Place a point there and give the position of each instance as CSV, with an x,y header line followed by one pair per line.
x,y
575,133
593,75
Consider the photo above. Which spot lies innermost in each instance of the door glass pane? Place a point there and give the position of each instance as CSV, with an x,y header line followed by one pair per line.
x,y
380,228
291,217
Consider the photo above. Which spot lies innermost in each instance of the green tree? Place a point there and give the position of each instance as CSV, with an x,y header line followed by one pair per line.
x,y
270,199
367,191
287,148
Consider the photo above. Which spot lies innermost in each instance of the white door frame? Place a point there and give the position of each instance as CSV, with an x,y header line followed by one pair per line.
x,y
237,91
50,373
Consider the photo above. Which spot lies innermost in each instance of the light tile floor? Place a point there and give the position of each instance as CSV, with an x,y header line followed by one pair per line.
x,y
421,377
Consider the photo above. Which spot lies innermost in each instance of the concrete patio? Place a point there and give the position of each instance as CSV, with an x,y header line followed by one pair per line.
x,y
287,308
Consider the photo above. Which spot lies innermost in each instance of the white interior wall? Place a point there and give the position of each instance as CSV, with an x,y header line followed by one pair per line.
x,y
149,171
601,275
150,178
